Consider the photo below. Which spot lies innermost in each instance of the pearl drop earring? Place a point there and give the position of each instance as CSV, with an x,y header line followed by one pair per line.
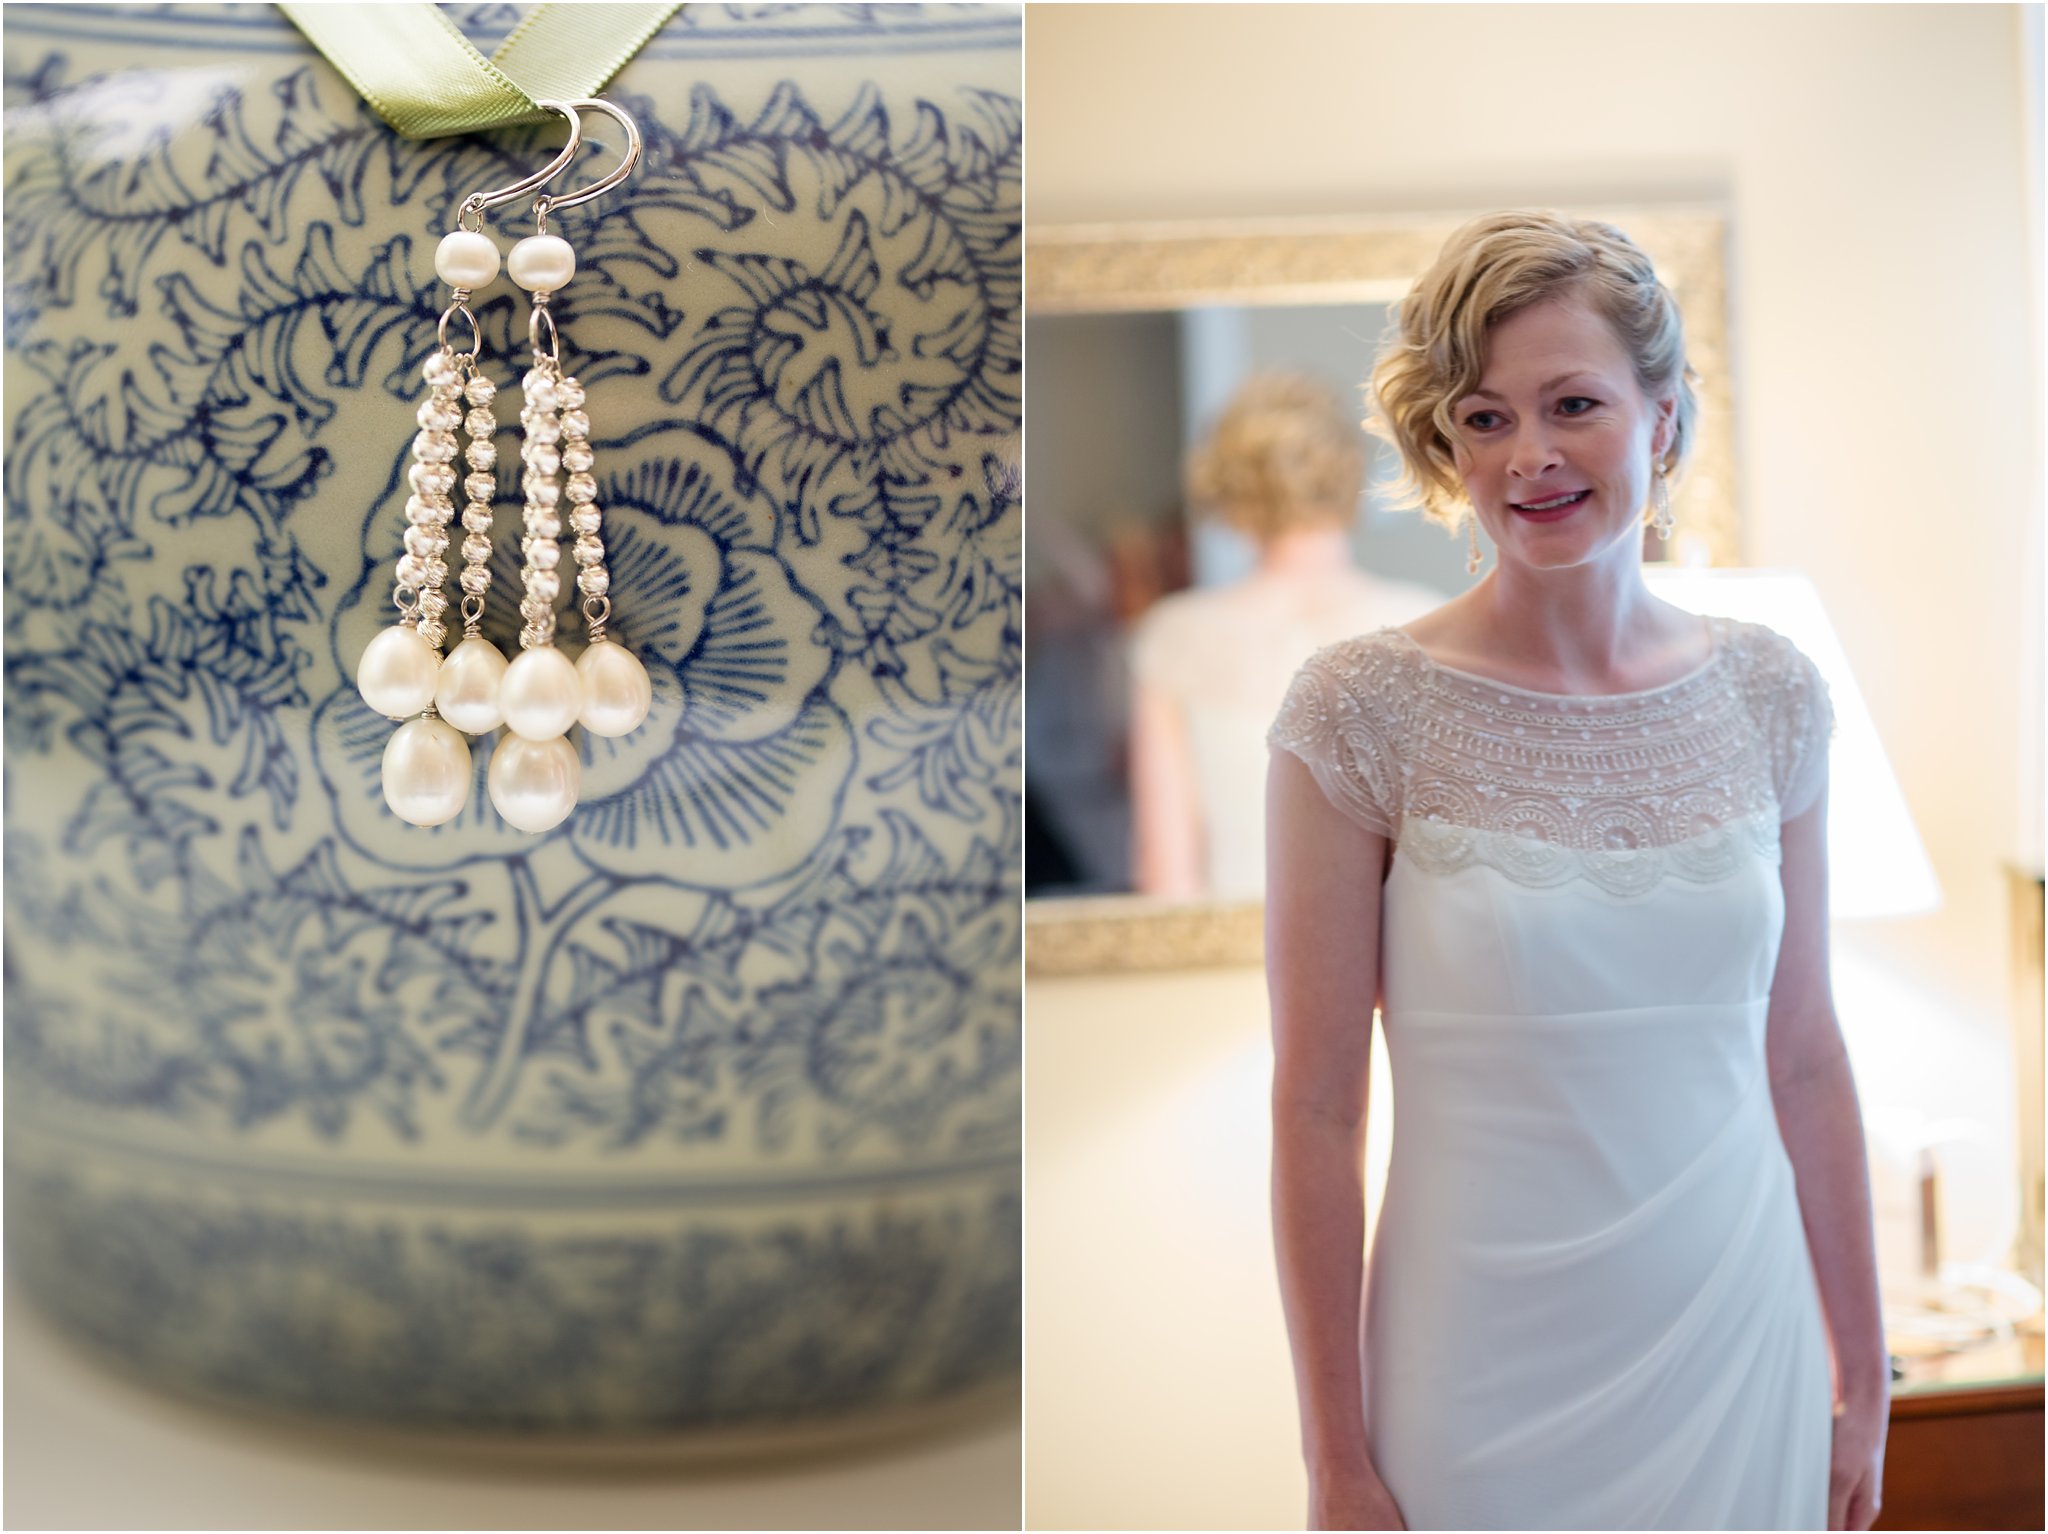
x,y
1661,519
426,764
536,775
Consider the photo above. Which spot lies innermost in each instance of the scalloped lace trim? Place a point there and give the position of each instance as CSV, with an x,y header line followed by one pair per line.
x,y
1438,846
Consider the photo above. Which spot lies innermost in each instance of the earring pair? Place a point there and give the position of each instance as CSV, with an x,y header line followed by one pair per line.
x,y
537,697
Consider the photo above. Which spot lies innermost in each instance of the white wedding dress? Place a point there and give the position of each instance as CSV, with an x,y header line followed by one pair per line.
x,y
1590,1303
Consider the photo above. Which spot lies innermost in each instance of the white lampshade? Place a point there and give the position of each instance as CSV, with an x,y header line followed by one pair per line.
x,y
1877,865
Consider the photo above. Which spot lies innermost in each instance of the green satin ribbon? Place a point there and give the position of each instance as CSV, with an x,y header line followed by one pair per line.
x,y
427,80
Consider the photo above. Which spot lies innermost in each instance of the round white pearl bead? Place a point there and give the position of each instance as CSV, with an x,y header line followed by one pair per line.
x,y
396,676
616,690
542,263
535,783
466,259
426,772
541,693
467,692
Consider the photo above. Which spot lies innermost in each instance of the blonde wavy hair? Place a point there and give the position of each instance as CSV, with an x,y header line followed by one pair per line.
x,y
1284,453
1487,270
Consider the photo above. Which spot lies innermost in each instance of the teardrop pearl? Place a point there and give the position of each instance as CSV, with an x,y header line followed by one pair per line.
x,y
396,676
535,783
467,693
426,772
617,692
541,693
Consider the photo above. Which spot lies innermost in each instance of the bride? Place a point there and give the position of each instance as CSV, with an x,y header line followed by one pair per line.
x,y
1571,839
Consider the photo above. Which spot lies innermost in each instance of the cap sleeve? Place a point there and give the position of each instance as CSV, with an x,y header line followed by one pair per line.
x,y
1802,724
1341,718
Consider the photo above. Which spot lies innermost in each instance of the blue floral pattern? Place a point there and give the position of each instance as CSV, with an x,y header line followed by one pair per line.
x,y
782,928
497,1326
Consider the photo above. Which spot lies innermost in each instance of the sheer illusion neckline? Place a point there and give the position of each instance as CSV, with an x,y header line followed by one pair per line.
x,y
1716,649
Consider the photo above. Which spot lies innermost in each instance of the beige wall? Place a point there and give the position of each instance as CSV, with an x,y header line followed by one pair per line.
x,y
1872,159
1157,1390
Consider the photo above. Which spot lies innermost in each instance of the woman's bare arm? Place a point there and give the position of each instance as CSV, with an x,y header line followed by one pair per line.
x,y
1166,813
1815,1097
1323,876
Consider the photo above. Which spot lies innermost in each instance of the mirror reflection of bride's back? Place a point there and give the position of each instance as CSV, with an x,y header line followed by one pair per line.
x,y
1283,466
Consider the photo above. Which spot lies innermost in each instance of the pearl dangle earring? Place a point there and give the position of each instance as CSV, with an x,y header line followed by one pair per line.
x,y
1661,519
426,765
536,774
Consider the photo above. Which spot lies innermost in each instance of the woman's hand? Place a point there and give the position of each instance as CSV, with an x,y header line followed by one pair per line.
x,y
1856,1467
1357,1500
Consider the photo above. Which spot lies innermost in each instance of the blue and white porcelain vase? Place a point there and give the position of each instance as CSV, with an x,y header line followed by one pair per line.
x,y
702,1109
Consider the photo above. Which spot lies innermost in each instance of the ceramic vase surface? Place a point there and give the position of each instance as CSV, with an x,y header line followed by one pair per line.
x,y
704,1107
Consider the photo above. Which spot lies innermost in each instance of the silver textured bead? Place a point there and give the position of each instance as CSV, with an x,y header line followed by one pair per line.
x,y
544,525
569,394
585,519
576,457
422,511
589,551
582,487
541,491
544,584
425,541
433,572
480,487
575,424
435,447
481,425
543,459
594,582
481,454
477,519
476,579
434,416
476,548
479,390
440,369
543,428
411,571
431,478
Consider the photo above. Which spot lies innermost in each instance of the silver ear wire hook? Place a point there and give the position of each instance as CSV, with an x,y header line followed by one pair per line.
x,y
473,205
544,205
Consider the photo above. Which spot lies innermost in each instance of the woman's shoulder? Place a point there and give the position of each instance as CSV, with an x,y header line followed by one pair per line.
x,y
1787,698
1378,653
1369,673
1343,719
1770,668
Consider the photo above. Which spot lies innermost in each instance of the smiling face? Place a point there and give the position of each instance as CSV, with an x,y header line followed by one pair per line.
x,y
1558,439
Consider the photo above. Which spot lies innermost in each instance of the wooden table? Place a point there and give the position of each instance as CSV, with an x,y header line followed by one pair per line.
x,y
1965,1450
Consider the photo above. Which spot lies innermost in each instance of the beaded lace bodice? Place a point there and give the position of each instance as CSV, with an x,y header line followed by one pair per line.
x,y
1624,790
